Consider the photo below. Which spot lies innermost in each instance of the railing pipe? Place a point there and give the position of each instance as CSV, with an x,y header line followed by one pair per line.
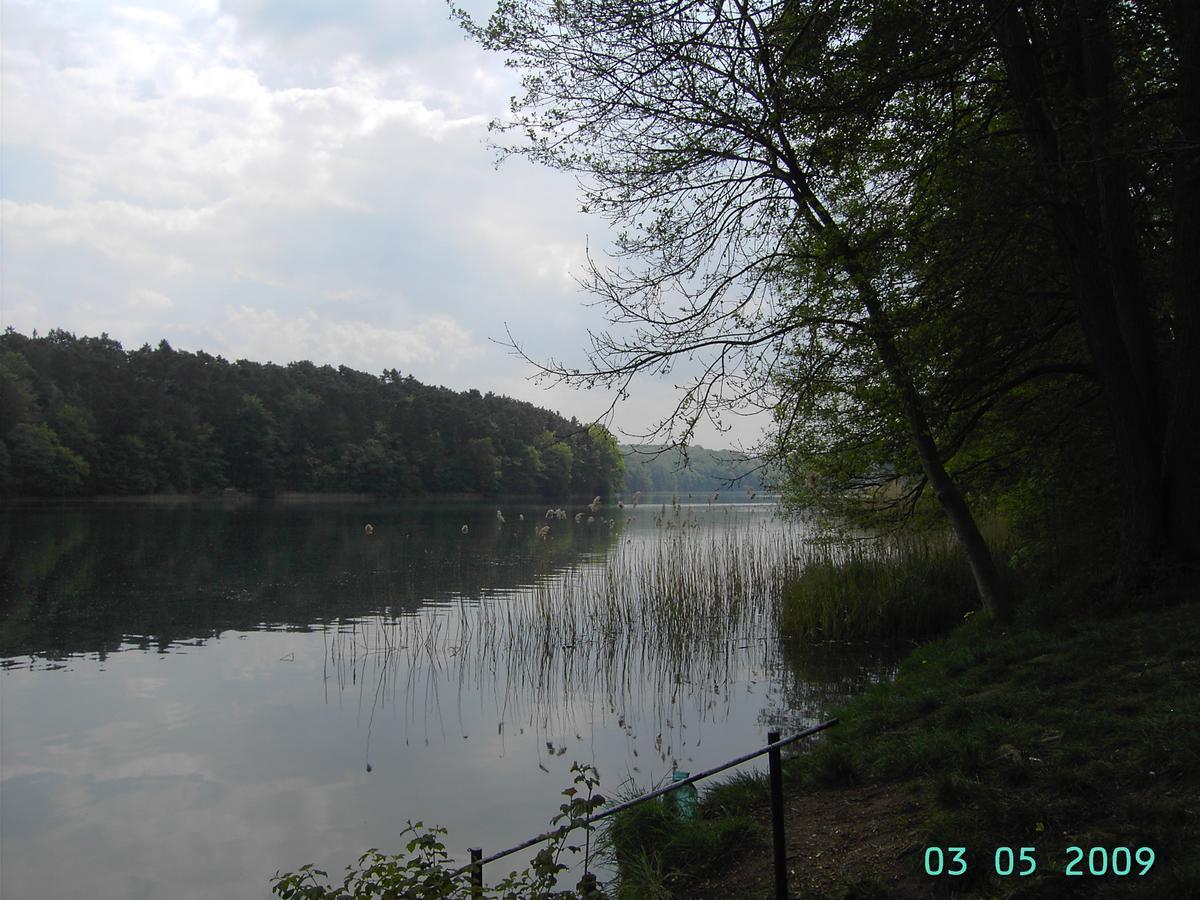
x,y
773,746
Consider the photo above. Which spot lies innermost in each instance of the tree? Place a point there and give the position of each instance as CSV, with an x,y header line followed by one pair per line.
x,y
16,390
252,442
598,467
1122,190
484,464
557,462
790,176
157,419
714,134
523,470
40,464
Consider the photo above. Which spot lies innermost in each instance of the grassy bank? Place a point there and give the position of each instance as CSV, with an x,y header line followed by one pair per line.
x,y
1079,733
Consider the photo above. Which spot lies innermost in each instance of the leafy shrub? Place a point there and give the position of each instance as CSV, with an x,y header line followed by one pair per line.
x,y
423,870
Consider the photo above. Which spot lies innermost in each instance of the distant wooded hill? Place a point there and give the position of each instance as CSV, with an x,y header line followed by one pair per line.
x,y
83,416
649,470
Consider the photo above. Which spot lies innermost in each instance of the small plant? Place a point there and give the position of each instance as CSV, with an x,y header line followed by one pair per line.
x,y
423,870
660,854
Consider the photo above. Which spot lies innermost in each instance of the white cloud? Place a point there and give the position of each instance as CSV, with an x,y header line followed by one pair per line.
x,y
266,335
146,299
252,182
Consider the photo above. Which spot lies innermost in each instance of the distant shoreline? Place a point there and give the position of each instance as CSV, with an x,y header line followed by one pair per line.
x,y
242,498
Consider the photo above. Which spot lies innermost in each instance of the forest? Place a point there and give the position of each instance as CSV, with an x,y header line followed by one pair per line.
x,y
81,416
655,468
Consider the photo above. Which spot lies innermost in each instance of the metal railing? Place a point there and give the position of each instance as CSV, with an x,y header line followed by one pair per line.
x,y
775,779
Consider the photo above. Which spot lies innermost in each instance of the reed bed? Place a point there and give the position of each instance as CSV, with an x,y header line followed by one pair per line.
x,y
895,587
690,603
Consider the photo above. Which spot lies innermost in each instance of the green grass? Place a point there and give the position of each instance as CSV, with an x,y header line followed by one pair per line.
x,y
1084,732
880,589
658,854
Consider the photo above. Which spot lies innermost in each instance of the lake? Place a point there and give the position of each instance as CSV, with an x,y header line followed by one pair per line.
x,y
195,696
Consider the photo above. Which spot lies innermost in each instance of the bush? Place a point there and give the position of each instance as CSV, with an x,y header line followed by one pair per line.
x,y
423,870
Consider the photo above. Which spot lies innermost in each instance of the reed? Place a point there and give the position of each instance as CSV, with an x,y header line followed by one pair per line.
x,y
689,603
895,587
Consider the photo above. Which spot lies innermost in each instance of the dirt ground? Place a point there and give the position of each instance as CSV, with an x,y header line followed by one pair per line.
x,y
836,839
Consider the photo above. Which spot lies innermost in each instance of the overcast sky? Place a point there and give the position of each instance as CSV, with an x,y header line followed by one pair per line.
x,y
289,179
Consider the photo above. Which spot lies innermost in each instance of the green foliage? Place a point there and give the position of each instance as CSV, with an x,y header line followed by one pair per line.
x,y
933,245
599,467
889,588
557,461
1086,731
84,416
1024,733
660,854
654,469
40,464
423,870
17,399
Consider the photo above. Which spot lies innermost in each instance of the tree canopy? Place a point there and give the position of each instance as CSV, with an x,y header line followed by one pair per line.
x,y
653,468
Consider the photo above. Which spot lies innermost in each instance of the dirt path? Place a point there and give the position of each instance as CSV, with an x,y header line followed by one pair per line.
x,y
837,839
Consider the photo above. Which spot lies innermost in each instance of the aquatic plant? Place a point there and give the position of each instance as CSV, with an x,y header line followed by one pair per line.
x,y
898,586
690,606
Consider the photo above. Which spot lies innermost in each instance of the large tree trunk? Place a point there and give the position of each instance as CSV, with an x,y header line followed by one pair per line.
x,y
1183,437
1097,241
993,593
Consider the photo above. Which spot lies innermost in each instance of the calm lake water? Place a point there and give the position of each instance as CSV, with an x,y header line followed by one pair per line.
x,y
194,697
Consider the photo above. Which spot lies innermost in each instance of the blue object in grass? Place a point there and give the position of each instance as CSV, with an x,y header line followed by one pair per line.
x,y
686,798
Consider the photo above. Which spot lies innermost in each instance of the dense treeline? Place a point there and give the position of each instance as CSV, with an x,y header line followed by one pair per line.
x,y
83,416
653,469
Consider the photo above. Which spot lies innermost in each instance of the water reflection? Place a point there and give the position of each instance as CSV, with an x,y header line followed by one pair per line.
x,y
90,579
289,689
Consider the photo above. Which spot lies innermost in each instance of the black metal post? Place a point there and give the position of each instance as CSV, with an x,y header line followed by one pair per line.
x,y
476,871
775,759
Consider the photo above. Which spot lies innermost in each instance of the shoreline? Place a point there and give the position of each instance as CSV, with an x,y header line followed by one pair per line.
x,y
1045,735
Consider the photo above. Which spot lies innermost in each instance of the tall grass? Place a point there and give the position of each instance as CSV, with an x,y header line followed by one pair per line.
x,y
900,586
690,603
660,855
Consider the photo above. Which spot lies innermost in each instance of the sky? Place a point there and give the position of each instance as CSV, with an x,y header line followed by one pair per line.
x,y
279,180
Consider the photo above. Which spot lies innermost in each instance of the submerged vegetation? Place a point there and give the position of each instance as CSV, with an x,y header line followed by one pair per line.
x,y
700,589
702,593
956,257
